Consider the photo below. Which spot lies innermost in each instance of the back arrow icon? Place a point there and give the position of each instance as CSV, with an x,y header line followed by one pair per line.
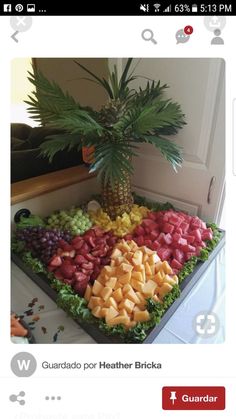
x,y
14,36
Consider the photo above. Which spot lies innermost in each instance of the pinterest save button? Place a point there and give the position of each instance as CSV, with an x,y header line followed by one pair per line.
x,y
193,398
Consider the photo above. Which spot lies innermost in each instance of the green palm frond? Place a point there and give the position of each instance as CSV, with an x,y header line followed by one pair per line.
x,y
149,95
59,142
170,150
112,161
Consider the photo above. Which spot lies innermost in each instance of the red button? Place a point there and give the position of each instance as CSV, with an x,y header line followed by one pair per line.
x,y
193,398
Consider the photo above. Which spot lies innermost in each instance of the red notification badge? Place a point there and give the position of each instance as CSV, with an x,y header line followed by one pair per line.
x,y
188,30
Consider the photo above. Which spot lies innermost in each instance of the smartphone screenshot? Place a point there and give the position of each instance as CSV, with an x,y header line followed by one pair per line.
x,y
117,193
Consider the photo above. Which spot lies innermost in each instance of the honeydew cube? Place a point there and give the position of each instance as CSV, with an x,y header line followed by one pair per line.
x,y
106,293
169,280
141,316
97,288
148,269
111,282
166,267
137,285
164,289
111,313
95,301
137,276
111,302
116,253
149,288
118,320
88,293
117,295
137,258
127,305
131,295
96,311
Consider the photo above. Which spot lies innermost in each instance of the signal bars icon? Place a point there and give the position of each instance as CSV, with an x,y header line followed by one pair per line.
x,y
168,9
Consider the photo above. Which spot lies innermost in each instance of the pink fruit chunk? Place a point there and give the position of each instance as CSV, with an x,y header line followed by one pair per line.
x,y
197,234
156,245
80,276
207,234
139,230
67,270
87,266
55,261
176,265
154,234
152,216
164,253
58,274
168,238
182,241
80,259
190,239
139,240
149,223
179,255
168,228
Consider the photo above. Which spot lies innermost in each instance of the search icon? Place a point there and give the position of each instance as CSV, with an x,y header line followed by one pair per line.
x,y
148,35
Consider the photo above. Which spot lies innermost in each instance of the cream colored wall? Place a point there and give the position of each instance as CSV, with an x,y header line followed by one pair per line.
x,y
70,77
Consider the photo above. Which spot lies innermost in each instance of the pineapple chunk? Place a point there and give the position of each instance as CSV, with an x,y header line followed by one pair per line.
x,y
133,246
110,271
176,279
88,293
142,300
116,253
169,280
103,311
95,301
141,316
137,258
166,267
117,295
96,311
164,289
158,266
132,323
111,313
123,312
148,269
127,305
106,293
153,259
111,282
149,288
124,246
145,257
137,276
97,288
126,267
159,279
156,299
113,263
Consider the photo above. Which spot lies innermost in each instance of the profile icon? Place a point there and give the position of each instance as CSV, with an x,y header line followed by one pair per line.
x,y
217,40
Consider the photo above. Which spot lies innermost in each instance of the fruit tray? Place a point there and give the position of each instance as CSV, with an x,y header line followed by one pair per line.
x,y
100,337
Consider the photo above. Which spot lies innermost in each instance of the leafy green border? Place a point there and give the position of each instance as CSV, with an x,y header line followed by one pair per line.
x,y
76,306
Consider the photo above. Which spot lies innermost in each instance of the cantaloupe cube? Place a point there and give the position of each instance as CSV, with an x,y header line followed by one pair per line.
x,y
123,312
118,320
111,313
119,260
138,276
113,263
131,295
146,250
109,270
137,285
97,288
131,324
126,288
139,268
128,256
164,289
158,266
106,293
156,299
124,246
88,293
103,311
149,288
148,269
166,267
111,302
137,258
169,280
116,253
145,257
96,311
117,295
126,267
127,305
141,297
95,301
153,259
125,278
111,282
141,316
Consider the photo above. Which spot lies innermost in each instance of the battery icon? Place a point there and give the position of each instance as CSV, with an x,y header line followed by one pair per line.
x,y
194,8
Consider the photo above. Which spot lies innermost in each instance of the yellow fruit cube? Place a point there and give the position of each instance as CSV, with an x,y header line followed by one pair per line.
x,y
158,266
159,278
111,313
125,278
137,258
123,312
166,267
106,293
116,253
118,320
176,279
117,295
137,276
137,285
111,282
164,289
149,288
127,305
141,316
141,297
96,311
88,293
126,288
169,280
111,302
95,301
148,269
97,288
126,267
131,295
103,311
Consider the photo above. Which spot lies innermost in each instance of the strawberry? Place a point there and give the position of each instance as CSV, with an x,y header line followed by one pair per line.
x,y
67,270
80,259
55,261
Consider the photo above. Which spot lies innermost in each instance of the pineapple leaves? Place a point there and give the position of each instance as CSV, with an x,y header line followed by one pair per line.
x,y
59,142
171,151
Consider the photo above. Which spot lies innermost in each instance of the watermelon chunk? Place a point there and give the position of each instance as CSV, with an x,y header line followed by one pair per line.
x,y
176,265
164,253
168,239
168,228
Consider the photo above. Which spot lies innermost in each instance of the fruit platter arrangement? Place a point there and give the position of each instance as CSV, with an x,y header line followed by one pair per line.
x,y
120,279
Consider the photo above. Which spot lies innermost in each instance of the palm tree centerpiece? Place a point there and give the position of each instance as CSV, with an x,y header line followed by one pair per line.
x,y
128,118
